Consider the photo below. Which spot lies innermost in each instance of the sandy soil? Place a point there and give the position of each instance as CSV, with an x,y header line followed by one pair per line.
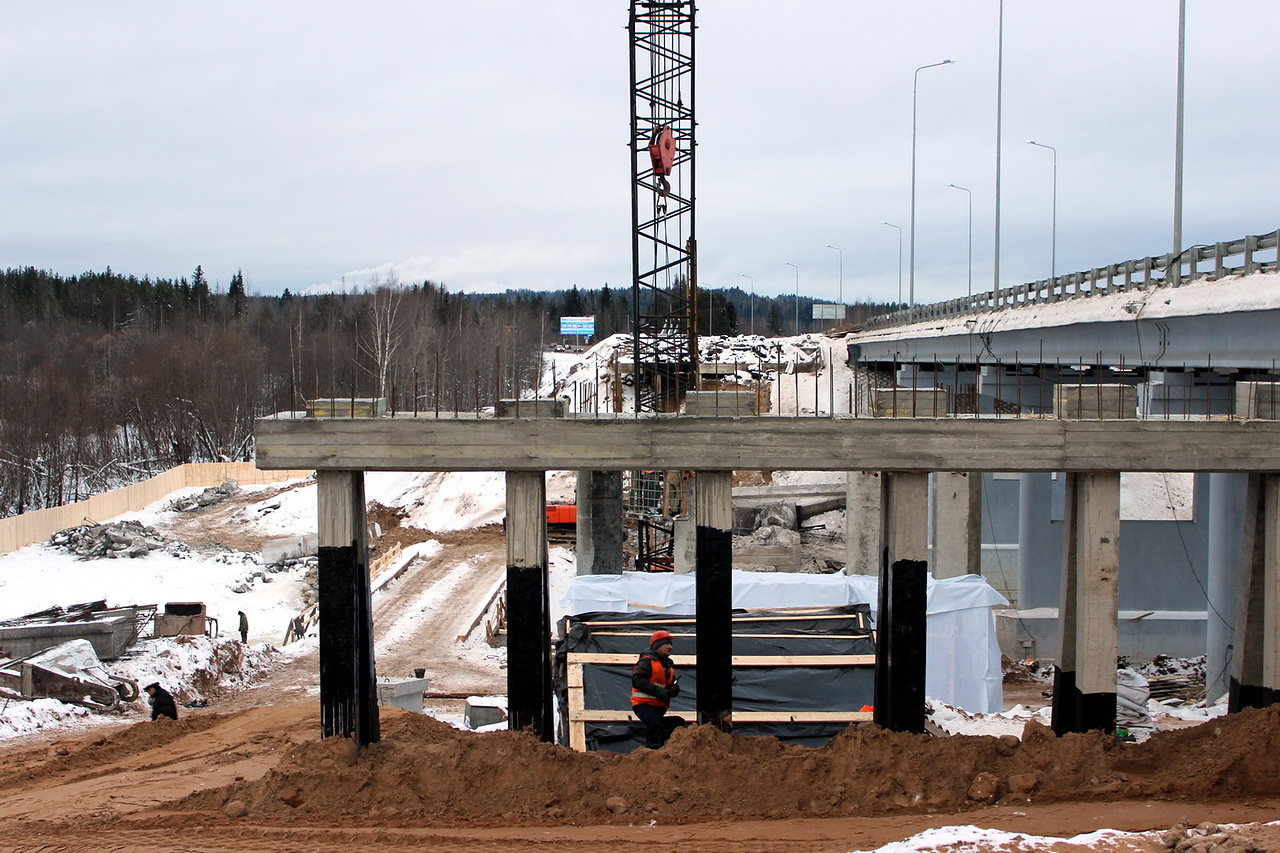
x,y
261,780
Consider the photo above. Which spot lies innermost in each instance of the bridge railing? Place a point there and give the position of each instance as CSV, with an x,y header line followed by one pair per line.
x,y
1199,262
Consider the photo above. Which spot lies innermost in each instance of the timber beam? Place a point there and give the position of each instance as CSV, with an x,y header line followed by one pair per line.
x,y
767,443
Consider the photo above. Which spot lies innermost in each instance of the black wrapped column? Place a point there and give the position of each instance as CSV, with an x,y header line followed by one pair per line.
x,y
713,514
528,611
348,684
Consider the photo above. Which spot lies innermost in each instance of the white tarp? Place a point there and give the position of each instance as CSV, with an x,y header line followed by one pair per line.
x,y
962,663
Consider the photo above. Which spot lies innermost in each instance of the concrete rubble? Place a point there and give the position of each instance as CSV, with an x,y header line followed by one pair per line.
x,y
208,497
117,539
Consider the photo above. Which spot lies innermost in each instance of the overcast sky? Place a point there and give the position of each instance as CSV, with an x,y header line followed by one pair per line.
x,y
483,144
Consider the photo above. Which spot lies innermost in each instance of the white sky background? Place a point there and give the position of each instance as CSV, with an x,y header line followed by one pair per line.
x,y
483,144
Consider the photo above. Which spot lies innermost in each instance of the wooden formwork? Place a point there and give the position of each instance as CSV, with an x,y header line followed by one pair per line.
x,y
580,715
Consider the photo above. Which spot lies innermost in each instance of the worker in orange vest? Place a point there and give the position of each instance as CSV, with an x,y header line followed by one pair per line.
x,y
653,686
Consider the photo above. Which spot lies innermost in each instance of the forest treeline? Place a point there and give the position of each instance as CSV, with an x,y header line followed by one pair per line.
x,y
106,379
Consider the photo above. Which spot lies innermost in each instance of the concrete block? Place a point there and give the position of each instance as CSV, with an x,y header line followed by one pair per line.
x,y
778,558
347,407
402,692
290,548
181,618
910,402
484,711
542,407
1258,400
720,404
1095,402
109,635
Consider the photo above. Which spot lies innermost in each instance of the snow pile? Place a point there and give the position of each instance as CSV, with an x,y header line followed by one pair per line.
x,y
431,500
33,578
194,668
1197,713
18,717
956,721
974,839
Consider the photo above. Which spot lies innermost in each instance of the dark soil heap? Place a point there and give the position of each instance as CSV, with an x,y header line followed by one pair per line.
x,y
427,773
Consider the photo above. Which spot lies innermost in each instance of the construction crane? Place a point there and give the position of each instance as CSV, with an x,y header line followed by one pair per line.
x,y
664,292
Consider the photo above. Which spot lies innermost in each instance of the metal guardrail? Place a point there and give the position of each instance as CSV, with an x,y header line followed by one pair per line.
x,y
1159,271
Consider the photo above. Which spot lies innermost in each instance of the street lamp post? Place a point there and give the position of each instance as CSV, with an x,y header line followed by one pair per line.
x,y
915,86
1053,244
995,278
797,269
899,230
840,298
1177,134
967,192
753,301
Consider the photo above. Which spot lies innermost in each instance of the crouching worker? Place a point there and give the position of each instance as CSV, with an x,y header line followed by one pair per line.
x,y
653,686
162,704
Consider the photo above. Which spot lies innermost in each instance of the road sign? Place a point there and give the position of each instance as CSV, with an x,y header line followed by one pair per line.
x,y
828,311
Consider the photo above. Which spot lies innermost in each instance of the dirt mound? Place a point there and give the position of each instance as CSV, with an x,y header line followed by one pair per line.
x,y
426,773
89,754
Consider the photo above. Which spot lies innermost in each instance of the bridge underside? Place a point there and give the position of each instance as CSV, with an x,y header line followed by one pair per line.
x,y
1094,453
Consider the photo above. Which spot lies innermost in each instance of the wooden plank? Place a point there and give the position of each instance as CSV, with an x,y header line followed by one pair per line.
x,y
611,716
769,443
794,636
818,613
576,701
736,660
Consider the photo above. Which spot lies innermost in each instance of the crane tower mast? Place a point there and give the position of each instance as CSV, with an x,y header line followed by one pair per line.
x,y
663,249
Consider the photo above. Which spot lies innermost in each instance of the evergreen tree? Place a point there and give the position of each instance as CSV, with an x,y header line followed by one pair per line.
x,y
200,292
236,292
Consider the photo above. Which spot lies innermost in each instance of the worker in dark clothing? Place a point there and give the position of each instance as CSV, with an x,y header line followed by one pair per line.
x,y
653,686
162,704
244,627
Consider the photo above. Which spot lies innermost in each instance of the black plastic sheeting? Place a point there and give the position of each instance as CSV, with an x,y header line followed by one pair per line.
x,y
755,688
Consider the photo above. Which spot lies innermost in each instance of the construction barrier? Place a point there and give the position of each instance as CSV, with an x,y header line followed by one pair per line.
x,y
38,525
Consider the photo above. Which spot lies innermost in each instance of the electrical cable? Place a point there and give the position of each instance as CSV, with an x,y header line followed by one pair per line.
x,y
1178,526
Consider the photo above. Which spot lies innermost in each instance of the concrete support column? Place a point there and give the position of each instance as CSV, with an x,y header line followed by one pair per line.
x,y
348,686
1226,520
906,517
1084,689
864,522
957,522
528,611
1255,666
713,514
1039,549
599,528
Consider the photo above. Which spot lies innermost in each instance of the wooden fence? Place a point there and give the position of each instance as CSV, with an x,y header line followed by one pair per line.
x,y
37,526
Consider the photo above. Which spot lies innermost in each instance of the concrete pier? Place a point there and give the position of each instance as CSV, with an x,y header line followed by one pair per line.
x,y
528,624
348,682
1084,695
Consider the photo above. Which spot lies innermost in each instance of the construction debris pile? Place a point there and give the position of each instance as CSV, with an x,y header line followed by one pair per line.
x,y
117,539
208,497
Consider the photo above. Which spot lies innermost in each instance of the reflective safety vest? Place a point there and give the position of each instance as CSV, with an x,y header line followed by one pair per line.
x,y
662,673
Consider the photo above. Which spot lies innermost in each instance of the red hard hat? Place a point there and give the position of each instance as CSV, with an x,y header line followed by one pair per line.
x,y
659,635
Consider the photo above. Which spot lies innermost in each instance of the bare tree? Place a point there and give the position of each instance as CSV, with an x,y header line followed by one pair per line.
x,y
381,337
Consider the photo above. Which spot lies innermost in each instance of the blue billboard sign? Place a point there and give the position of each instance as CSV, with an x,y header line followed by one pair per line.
x,y
578,325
